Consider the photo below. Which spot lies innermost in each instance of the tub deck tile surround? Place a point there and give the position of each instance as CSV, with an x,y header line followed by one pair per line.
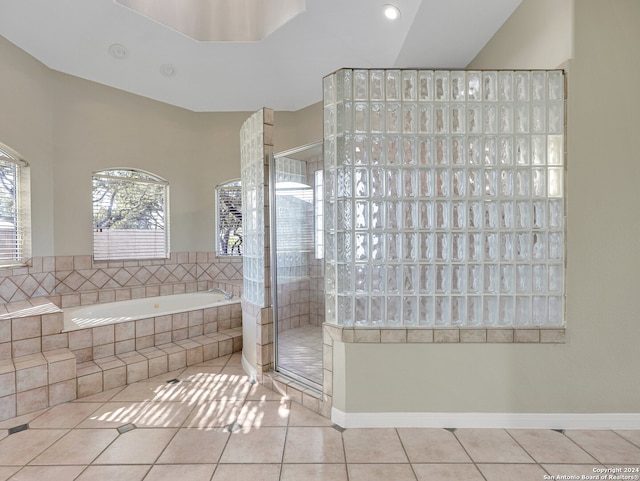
x,y
209,347
42,366
89,379
137,366
193,351
157,359
33,382
114,372
94,376
176,356
61,365
136,335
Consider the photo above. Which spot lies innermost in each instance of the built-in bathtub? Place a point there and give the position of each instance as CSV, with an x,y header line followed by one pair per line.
x,y
109,329
95,315
75,352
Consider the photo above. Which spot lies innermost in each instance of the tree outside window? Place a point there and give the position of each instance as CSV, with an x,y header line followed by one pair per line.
x,y
229,218
129,215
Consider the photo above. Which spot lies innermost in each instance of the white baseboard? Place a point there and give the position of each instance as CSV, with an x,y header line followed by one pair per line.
x,y
487,420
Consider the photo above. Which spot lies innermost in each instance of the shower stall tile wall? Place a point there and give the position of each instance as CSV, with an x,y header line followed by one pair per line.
x,y
444,198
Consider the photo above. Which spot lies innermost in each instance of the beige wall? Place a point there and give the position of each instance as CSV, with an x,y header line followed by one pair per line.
x,y
68,127
538,35
25,126
295,129
595,371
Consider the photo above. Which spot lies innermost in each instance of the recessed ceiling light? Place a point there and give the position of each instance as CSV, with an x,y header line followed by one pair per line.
x,y
391,11
118,51
168,70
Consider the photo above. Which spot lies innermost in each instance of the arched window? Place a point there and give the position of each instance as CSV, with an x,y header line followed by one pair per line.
x,y
15,209
130,215
229,218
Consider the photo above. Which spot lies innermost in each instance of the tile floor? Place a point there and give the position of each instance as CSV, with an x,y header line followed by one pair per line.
x,y
300,351
154,431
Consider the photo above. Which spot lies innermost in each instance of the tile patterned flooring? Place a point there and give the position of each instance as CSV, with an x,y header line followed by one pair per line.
x,y
300,351
180,434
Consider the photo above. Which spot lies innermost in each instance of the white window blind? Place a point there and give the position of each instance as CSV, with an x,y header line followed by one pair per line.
x,y
130,215
15,213
229,218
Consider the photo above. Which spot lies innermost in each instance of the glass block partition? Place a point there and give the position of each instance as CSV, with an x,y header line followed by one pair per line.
x,y
254,143
444,198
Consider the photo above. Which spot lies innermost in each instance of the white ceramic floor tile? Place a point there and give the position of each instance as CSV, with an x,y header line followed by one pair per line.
x,y
264,445
48,473
140,446
191,472
115,472
182,431
20,448
66,450
250,472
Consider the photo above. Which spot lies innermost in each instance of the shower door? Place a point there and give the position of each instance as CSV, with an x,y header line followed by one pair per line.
x,y
296,263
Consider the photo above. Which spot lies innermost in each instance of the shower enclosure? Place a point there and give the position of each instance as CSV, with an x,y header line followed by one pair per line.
x,y
444,198
297,271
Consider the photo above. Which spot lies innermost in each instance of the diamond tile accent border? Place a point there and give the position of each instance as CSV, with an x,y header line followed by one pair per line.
x,y
60,275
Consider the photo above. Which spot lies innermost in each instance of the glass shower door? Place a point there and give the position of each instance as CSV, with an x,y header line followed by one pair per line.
x,y
297,264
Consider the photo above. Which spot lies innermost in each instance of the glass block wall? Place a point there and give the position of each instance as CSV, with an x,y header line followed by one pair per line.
x,y
255,146
444,198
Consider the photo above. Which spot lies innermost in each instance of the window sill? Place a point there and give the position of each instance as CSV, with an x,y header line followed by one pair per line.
x,y
221,257
15,265
418,335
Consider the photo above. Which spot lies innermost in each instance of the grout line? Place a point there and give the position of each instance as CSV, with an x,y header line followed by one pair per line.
x,y
525,450
581,447
344,452
473,461
627,440
405,453
521,446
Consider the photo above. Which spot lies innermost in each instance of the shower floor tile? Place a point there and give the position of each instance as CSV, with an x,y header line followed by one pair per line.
x,y
300,351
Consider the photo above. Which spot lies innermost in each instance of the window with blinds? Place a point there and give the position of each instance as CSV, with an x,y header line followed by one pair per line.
x,y
130,215
229,218
15,213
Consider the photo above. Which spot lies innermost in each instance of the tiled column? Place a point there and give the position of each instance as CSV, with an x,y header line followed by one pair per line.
x,y
256,139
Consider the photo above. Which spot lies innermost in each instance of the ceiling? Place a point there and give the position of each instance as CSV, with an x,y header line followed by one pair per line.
x,y
107,42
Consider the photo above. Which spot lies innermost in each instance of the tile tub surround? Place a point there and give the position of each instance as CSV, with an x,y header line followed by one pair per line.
x,y
73,276
114,339
38,360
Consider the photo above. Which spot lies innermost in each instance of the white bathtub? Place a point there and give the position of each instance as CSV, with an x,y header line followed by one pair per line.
x,y
95,315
